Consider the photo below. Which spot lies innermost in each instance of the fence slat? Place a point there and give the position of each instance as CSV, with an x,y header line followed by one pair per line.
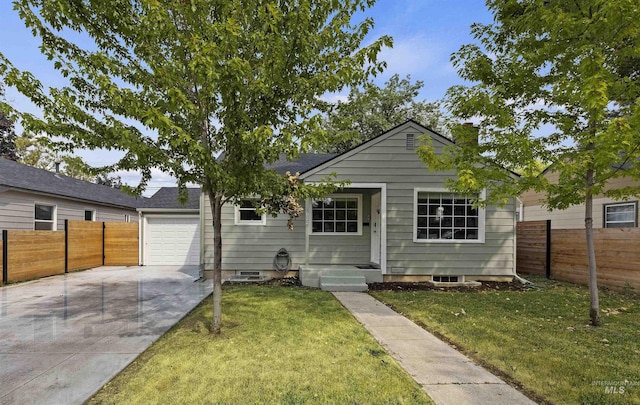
x,y
84,245
531,249
34,254
121,244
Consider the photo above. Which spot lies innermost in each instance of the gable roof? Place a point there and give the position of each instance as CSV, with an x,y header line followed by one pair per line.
x,y
305,162
339,157
25,178
167,197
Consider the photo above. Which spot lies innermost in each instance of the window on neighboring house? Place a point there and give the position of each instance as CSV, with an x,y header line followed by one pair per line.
x,y
443,216
44,218
621,215
246,214
337,214
89,215
127,218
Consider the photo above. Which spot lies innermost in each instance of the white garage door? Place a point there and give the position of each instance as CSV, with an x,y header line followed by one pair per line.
x,y
172,241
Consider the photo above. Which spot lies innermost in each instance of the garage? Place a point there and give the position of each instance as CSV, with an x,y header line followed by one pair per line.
x,y
172,240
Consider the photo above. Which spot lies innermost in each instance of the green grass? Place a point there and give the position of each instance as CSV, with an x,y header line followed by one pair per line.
x,y
540,338
279,345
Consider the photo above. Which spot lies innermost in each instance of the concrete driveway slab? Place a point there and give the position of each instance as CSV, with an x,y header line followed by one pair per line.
x,y
63,337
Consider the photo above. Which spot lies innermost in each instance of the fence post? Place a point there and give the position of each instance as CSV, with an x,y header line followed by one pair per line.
x,y
66,245
5,256
548,248
103,226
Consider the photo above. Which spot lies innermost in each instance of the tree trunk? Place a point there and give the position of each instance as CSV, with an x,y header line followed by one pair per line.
x,y
215,200
594,312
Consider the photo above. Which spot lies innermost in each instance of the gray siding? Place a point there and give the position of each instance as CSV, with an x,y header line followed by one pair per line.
x,y
253,247
388,161
17,210
385,160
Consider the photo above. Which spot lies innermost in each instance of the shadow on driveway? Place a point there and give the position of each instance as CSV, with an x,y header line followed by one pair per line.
x,y
63,337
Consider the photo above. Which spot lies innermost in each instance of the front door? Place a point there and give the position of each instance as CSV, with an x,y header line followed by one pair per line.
x,y
375,228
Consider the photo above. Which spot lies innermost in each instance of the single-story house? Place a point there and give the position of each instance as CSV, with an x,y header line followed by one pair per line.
x,y
395,221
607,212
171,231
37,199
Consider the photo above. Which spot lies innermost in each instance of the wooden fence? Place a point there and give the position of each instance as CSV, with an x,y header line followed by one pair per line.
x,y
617,254
533,241
33,254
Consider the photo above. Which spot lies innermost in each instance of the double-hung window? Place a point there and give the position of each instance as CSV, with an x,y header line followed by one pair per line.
x,y
246,213
337,214
441,216
44,217
621,215
89,215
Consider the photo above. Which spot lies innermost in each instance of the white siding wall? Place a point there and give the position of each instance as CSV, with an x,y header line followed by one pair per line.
x,y
570,218
17,210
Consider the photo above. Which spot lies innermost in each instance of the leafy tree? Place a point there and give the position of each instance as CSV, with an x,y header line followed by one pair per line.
x,y
242,77
111,181
563,63
372,110
7,135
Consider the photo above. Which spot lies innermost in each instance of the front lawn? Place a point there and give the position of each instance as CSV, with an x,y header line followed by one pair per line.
x,y
540,337
284,345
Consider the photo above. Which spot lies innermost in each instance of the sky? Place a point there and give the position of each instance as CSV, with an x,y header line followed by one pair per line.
x,y
425,34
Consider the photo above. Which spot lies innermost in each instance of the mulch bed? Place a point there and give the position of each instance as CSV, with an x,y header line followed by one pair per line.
x,y
486,286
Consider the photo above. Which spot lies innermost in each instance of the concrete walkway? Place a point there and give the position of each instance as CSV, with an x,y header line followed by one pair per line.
x,y
447,376
63,337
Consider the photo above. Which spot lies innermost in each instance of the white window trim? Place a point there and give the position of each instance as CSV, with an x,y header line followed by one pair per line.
x,y
54,215
634,204
127,217
238,221
359,233
93,214
481,219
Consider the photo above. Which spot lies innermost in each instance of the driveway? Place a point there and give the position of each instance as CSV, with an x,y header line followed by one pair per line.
x,y
64,337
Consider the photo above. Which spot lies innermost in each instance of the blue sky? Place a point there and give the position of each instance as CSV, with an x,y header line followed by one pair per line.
x,y
425,33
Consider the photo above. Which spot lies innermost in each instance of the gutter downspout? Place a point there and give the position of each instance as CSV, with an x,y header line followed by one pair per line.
x,y
307,224
515,244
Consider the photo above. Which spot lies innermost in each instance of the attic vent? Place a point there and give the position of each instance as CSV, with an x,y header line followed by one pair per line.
x,y
411,141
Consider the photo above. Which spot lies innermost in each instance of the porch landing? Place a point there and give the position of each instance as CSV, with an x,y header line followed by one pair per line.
x,y
339,278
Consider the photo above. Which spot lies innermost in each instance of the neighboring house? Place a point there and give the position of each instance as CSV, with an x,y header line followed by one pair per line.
x,y
37,199
170,231
394,222
607,212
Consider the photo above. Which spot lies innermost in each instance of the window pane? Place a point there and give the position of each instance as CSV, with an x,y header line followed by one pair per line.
x,y
317,214
249,215
88,215
328,203
341,227
328,215
352,215
352,203
352,227
446,216
341,203
316,226
328,227
44,212
341,215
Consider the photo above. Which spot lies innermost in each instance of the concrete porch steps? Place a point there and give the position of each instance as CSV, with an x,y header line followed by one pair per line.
x,y
336,281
